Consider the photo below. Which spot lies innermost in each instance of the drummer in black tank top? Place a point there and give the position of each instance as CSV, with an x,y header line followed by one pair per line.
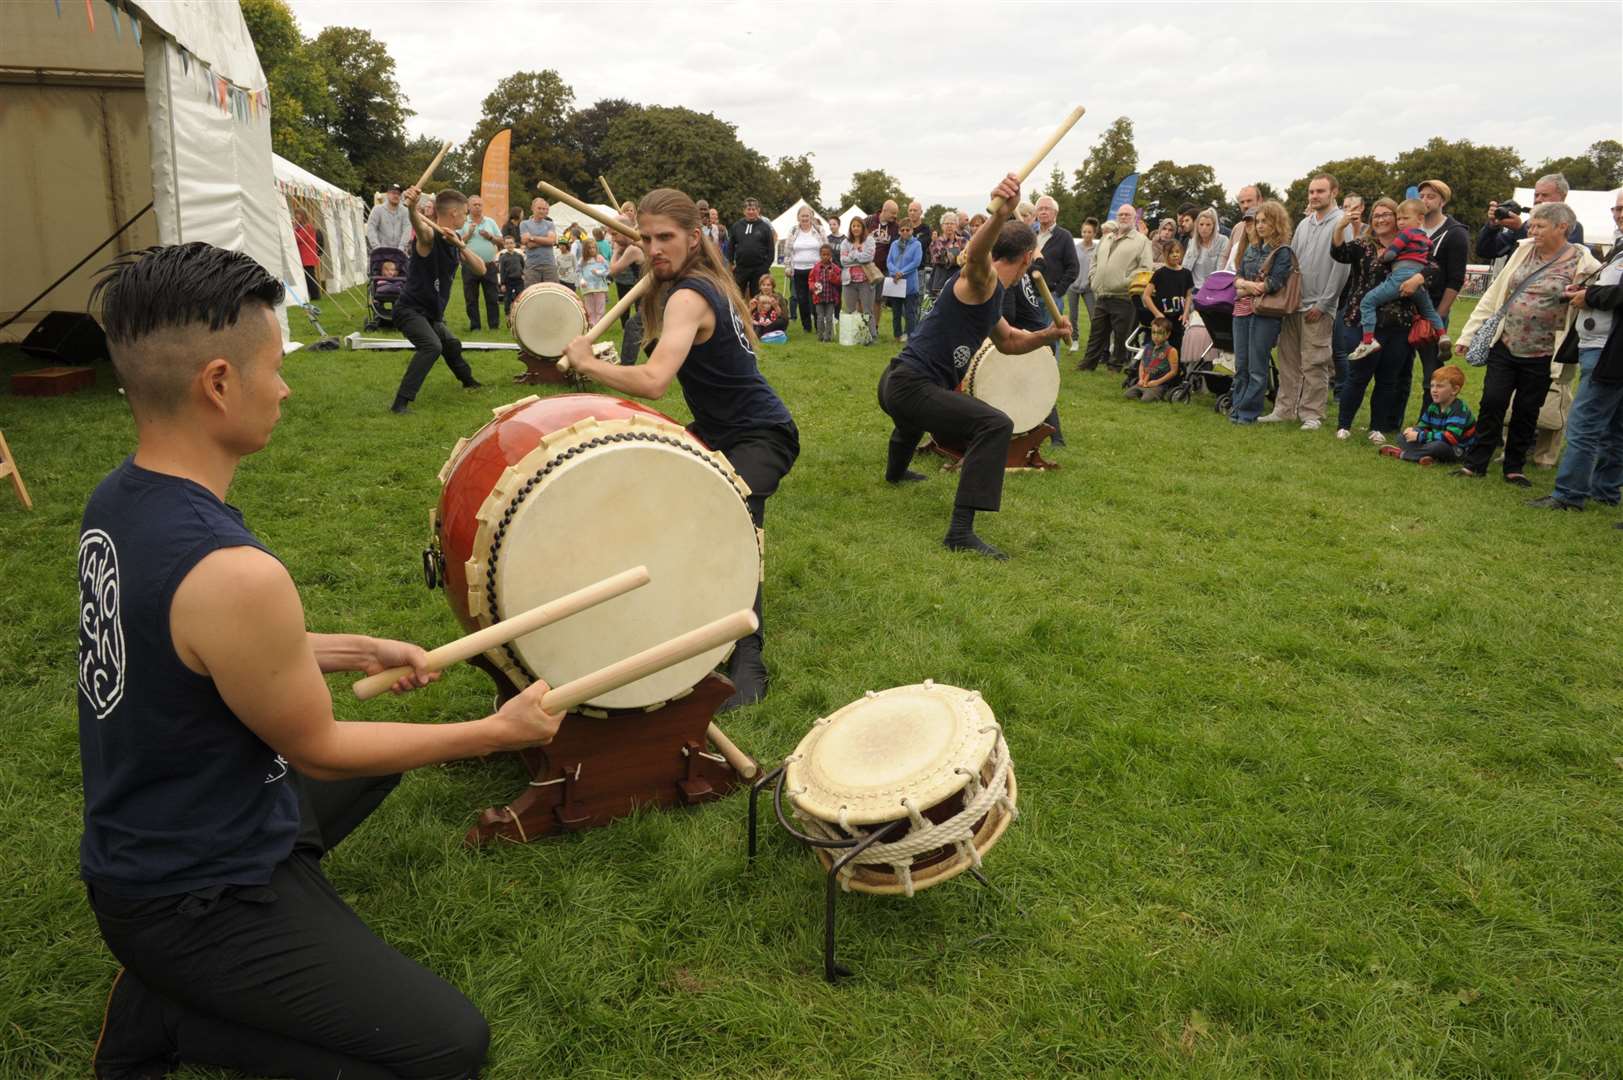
x,y
701,338
920,387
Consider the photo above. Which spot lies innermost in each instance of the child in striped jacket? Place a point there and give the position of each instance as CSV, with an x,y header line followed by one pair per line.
x,y
1446,428
1408,254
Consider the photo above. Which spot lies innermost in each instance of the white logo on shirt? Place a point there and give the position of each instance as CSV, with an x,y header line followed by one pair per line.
x,y
101,634
278,769
962,355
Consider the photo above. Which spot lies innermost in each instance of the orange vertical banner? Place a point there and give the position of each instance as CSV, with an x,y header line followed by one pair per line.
x,y
493,176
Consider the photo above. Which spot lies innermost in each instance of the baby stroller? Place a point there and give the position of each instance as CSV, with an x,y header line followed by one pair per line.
x,y
1208,353
381,291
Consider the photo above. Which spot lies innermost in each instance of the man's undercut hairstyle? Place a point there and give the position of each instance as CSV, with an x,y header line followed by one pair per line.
x,y
160,308
449,198
1013,241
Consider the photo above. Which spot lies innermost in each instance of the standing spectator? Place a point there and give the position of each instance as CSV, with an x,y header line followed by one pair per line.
x,y
1248,199
1553,187
1170,293
625,268
1080,289
564,258
1266,262
834,238
1056,252
1186,227
945,248
389,224
1531,292
515,218
753,248
1304,338
1345,335
921,228
1592,467
723,242
1165,233
538,236
804,247
858,277
906,256
1450,244
1392,366
1502,232
1119,257
304,234
824,280
485,240
883,228
512,272
1208,251
594,282
711,227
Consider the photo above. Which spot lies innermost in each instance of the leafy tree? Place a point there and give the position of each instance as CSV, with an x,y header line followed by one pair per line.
x,y
933,214
796,179
1475,174
1368,175
654,146
1061,193
1110,161
1601,169
586,131
301,104
368,120
456,169
1166,186
871,187
537,105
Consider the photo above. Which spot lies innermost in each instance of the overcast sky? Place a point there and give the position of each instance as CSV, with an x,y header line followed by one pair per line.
x,y
947,96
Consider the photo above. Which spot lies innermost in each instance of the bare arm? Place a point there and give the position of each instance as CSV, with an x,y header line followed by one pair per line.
x,y
687,315
422,229
623,260
1015,342
268,670
976,283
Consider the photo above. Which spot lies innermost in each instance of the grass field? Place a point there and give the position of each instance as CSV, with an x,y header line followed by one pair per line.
x,y
1320,757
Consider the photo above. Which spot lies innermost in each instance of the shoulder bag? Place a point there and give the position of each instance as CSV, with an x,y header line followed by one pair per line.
x,y
1476,354
1288,300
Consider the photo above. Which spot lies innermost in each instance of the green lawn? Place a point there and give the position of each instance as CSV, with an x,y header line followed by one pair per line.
x,y
1319,757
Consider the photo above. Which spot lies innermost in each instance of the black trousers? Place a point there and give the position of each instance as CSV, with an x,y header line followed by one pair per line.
x,y
916,405
1113,317
312,287
1517,384
431,339
763,457
511,287
472,286
748,279
803,300
284,979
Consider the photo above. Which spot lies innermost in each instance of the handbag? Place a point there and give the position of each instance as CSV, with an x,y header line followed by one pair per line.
x,y
1476,354
1288,300
1421,332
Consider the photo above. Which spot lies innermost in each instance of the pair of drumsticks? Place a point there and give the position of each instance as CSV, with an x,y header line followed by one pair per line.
x,y
627,670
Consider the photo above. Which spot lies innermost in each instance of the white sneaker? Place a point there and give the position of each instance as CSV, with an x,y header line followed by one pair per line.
x,y
1364,349
1377,438
1270,418
1312,425
1343,434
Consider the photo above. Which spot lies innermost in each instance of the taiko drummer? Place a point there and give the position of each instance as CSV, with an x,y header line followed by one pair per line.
x,y
215,775
700,335
919,388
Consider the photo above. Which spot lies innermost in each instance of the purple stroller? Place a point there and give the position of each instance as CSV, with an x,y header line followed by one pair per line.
x,y
383,290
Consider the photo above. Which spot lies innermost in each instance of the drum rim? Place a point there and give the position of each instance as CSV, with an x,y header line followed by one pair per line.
x,y
545,288
524,477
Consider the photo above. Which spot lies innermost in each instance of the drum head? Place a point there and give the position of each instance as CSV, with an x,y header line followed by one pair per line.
x,y
592,500
547,317
917,742
1024,387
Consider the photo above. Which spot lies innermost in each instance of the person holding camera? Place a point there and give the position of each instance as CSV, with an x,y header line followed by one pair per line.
x,y
1503,231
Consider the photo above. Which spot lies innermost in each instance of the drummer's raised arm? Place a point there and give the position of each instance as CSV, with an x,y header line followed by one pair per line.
x,y
687,314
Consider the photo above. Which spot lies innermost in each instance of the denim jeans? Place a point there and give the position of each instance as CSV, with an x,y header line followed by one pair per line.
x,y
904,314
1254,337
1592,466
1387,291
1343,340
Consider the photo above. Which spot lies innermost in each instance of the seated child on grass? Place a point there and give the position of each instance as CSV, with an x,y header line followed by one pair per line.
x,y
1446,428
766,310
1407,254
1159,366
825,293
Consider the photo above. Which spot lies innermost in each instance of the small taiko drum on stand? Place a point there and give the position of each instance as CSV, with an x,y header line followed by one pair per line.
x,y
1025,388
554,494
899,791
546,318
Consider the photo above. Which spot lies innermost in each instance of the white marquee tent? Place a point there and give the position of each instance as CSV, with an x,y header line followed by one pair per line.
x,y
341,218
1593,208
564,215
156,100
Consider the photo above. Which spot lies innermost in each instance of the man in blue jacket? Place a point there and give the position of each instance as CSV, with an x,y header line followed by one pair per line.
x,y
906,256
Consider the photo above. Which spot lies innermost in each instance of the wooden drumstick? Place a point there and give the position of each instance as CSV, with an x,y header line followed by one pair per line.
x,y
741,762
560,195
683,647
1048,297
465,648
1031,166
609,192
611,316
428,173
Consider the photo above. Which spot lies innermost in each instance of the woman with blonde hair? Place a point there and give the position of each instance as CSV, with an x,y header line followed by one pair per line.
x,y
1265,264
697,316
1208,248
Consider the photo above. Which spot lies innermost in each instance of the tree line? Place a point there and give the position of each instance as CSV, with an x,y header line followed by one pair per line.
x,y
337,109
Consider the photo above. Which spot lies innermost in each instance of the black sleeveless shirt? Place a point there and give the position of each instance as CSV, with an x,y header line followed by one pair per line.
x,y
721,380
944,342
428,278
1022,307
179,794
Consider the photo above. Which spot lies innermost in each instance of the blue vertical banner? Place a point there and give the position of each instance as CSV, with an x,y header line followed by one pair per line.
x,y
1124,193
